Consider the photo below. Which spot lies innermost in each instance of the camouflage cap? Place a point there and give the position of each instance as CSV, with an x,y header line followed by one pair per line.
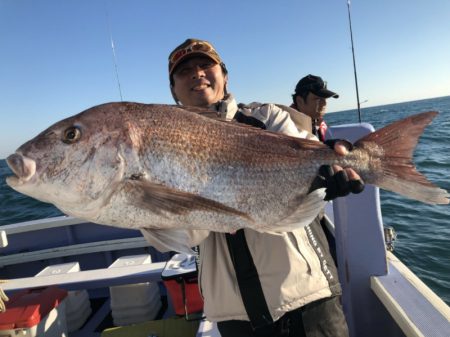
x,y
189,48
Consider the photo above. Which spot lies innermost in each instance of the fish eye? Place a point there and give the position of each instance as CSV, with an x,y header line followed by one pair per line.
x,y
71,135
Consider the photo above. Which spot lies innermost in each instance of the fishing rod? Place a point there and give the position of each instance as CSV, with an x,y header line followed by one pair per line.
x,y
113,53
354,62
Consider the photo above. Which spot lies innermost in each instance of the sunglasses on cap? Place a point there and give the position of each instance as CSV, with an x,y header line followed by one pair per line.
x,y
198,46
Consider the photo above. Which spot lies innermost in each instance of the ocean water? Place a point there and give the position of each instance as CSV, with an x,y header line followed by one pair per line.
x,y
423,241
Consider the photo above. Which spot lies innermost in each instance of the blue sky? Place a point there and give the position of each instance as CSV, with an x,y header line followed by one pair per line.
x,y
56,57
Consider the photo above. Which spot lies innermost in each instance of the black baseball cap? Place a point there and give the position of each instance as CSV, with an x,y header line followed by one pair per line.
x,y
316,85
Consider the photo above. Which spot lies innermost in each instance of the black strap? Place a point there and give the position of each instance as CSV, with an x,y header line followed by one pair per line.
x,y
248,280
246,273
249,120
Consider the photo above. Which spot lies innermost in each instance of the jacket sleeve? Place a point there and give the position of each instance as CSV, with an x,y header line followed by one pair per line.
x,y
179,240
276,119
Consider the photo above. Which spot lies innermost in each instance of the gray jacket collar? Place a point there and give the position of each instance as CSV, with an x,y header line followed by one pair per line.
x,y
227,107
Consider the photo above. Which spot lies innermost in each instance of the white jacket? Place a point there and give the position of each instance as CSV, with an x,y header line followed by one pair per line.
x,y
294,268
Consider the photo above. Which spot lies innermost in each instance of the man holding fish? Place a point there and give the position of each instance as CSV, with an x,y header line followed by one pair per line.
x,y
294,290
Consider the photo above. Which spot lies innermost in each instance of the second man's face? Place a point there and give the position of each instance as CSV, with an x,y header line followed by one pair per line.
x,y
199,81
314,106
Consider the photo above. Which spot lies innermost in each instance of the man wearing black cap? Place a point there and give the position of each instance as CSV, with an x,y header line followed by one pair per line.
x,y
255,284
310,98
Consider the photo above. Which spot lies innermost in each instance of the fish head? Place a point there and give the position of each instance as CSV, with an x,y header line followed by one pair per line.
x,y
75,164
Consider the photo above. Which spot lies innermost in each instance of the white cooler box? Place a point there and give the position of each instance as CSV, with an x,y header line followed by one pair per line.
x,y
78,306
134,303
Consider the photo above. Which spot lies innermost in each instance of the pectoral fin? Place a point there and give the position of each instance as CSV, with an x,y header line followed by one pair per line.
x,y
309,207
159,199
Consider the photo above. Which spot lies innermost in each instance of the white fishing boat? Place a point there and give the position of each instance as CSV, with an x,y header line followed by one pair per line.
x,y
102,266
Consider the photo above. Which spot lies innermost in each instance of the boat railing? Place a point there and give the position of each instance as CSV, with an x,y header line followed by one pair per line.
x,y
91,279
34,245
72,250
35,225
414,307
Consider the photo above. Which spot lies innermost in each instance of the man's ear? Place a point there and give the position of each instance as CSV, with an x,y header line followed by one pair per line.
x,y
225,84
299,101
173,94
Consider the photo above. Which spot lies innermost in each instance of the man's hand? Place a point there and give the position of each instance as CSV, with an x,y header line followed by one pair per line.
x,y
338,181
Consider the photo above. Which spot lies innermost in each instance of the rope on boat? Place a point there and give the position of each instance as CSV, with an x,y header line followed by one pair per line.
x,y
3,298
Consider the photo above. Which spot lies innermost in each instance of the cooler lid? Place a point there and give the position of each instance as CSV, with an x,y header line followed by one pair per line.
x,y
28,307
179,264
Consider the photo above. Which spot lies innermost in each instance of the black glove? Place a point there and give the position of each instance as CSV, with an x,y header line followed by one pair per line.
x,y
336,184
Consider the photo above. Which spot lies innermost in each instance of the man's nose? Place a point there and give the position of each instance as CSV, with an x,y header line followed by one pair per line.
x,y
198,72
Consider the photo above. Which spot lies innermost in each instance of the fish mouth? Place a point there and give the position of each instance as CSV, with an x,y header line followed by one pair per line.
x,y
23,167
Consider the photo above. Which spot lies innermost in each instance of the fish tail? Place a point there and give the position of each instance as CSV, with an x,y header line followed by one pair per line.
x,y
399,174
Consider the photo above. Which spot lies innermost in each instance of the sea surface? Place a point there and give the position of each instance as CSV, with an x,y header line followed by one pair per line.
x,y
423,241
